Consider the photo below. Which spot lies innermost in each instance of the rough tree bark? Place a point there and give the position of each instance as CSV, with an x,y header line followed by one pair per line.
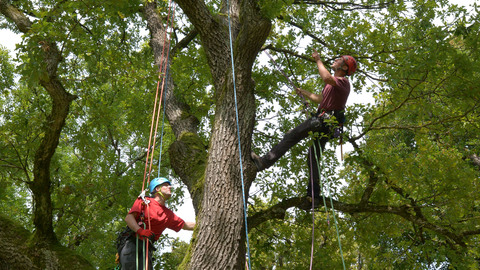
x,y
214,180
16,255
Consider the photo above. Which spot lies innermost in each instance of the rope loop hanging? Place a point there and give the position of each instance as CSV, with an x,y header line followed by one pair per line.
x,y
161,86
319,166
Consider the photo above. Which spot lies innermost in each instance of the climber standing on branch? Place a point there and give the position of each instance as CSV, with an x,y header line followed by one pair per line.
x,y
331,102
148,223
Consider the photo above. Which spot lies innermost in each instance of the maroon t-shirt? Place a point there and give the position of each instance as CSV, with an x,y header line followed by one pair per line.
x,y
335,97
160,217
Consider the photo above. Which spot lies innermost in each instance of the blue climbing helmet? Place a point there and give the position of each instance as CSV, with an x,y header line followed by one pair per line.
x,y
158,181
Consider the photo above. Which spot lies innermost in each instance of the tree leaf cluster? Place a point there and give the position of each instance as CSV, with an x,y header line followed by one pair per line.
x,y
406,196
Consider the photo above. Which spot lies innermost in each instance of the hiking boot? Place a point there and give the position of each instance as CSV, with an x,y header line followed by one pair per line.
x,y
258,161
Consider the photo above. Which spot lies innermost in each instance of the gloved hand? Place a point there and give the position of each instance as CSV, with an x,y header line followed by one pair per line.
x,y
145,233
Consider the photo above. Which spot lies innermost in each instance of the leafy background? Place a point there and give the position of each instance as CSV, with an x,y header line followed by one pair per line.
x,y
418,140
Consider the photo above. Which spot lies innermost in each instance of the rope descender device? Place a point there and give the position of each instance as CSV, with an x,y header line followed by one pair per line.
x,y
142,196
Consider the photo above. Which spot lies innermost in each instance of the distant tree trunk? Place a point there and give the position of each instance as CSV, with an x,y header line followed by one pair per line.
x,y
215,181
41,184
52,127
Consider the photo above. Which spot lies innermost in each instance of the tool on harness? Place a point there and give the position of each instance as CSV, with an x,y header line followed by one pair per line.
x,y
144,199
327,115
338,127
124,235
122,238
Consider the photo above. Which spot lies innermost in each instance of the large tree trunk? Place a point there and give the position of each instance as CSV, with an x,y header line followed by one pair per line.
x,y
215,183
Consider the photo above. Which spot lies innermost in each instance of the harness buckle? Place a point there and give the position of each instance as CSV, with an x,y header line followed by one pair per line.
x,y
142,196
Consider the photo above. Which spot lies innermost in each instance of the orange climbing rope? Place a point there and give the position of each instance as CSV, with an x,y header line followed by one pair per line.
x,y
161,82
160,86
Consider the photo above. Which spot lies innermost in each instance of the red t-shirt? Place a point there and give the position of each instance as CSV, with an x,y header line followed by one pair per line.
x,y
335,97
160,217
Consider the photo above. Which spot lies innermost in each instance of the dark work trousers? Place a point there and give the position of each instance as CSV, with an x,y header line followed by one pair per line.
x,y
295,135
128,258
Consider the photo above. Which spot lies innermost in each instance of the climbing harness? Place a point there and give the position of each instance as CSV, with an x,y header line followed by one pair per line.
x,y
238,134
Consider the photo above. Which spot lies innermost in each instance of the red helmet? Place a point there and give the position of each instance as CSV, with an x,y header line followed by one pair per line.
x,y
351,64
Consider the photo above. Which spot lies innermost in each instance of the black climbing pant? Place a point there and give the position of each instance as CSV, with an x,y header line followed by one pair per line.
x,y
315,124
128,255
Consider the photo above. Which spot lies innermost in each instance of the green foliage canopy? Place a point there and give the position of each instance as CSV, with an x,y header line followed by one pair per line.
x,y
412,174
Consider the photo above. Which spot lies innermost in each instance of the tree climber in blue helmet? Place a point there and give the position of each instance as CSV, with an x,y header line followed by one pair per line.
x,y
158,218
331,102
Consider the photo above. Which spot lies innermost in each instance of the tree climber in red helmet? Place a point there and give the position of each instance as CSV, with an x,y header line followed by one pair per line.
x,y
331,102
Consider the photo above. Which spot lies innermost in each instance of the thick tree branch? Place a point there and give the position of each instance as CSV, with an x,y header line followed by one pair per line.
x,y
213,34
277,211
19,18
199,15
253,31
405,211
475,159
472,232
52,126
346,6
184,42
